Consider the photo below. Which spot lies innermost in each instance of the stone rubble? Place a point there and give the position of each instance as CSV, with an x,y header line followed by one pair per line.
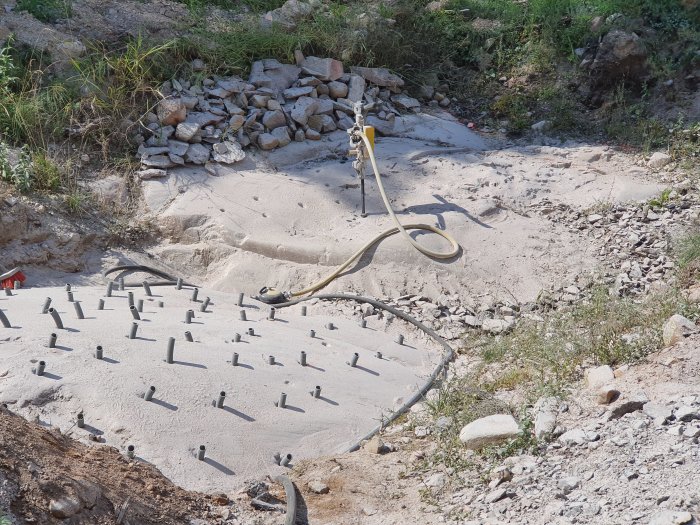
x,y
214,121
638,468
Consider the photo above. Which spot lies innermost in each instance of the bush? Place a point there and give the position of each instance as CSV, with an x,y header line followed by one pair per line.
x,y
46,10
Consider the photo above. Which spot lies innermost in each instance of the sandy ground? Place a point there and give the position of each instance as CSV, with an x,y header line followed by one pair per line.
x,y
287,218
241,438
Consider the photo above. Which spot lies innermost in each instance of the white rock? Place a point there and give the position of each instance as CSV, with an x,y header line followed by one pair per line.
x,y
318,487
658,412
228,152
675,328
671,517
497,326
545,416
686,413
496,495
436,481
186,130
489,430
599,376
578,436
568,484
659,160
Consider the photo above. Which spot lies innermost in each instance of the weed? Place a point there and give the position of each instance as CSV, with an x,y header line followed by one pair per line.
x,y
689,250
257,6
662,199
22,176
603,330
19,173
77,201
47,174
119,85
46,10
513,106
6,171
525,443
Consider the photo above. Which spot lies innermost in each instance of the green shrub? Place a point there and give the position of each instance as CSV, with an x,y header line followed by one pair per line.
x,y
46,10
47,174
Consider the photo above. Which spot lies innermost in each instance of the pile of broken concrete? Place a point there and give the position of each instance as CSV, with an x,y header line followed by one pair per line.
x,y
212,122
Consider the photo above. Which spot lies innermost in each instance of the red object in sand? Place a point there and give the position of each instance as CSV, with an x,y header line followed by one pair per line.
x,y
7,279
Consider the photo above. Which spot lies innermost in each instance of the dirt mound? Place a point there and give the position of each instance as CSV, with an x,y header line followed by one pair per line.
x,y
48,477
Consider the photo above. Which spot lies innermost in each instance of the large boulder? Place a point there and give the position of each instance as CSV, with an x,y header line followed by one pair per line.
x,y
621,55
323,68
272,74
379,76
489,430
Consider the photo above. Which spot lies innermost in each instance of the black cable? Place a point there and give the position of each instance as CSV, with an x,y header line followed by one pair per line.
x,y
420,394
168,280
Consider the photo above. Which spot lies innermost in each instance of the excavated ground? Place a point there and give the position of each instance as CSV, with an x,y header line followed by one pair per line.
x,y
242,436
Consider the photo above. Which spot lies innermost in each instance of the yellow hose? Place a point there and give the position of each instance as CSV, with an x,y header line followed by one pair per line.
x,y
387,233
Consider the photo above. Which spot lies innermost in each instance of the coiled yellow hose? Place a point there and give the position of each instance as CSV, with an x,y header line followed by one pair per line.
x,y
399,228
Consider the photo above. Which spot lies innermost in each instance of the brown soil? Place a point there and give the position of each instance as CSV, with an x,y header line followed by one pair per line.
x,y
39,465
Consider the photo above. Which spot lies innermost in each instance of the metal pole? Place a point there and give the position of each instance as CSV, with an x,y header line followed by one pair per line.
x,y
56,318
220,401
203,308
78,310
149,393
47,305
171,350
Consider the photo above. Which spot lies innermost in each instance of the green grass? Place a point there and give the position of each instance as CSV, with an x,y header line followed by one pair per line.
x,y
256,6
544,359
689,250
46,10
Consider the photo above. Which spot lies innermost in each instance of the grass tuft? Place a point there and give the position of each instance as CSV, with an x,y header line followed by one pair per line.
x,y
46,10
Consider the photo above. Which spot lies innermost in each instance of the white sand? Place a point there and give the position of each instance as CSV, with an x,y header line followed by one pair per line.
x,y
240,439
287,218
